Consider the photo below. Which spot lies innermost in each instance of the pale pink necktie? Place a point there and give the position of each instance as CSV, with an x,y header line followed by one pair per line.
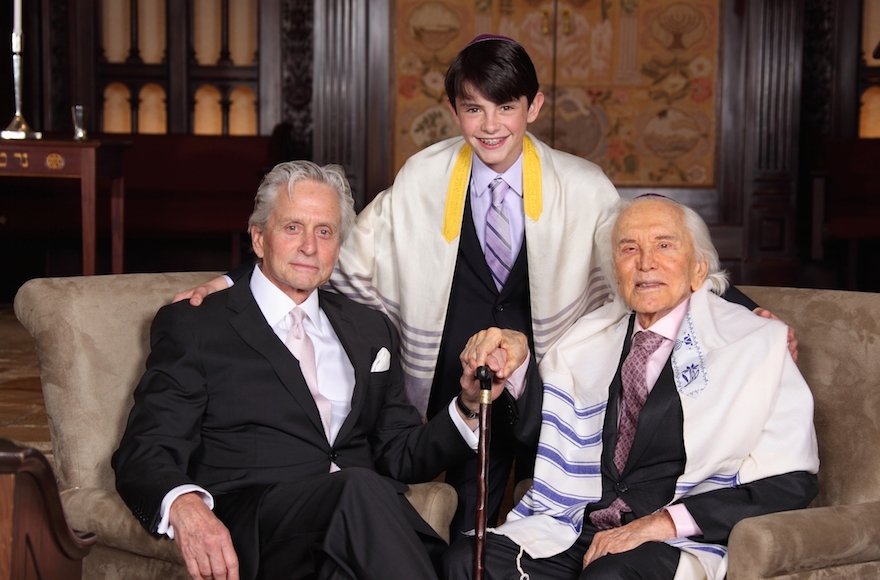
x,y
301,346
499,253
635,393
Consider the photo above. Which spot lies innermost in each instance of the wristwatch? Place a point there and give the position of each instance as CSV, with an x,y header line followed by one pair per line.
x,y
463,408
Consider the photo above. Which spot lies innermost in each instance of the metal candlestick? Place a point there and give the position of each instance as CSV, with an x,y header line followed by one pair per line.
x,y
18,127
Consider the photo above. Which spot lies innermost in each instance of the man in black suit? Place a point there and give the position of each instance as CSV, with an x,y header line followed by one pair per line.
x,y
669,415
270,453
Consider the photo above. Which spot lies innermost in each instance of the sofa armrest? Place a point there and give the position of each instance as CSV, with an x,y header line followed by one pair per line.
x,y
104,513
436,503
810,539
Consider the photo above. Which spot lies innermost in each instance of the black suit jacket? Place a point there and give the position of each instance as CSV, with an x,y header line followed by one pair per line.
x,y
223,404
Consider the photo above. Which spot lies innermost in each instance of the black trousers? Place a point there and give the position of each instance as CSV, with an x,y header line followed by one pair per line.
x,y
463,477
346,525
505,560
505,452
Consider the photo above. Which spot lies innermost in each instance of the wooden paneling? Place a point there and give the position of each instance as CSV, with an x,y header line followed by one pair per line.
x,y
178,67
269,35
733,92
350,81
772,113
845,94
379,91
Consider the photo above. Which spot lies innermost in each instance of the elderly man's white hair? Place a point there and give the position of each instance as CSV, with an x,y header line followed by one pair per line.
x,y
290,173
702,241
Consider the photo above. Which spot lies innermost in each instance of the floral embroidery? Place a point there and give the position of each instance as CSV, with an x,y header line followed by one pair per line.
x,y
688,364
690,373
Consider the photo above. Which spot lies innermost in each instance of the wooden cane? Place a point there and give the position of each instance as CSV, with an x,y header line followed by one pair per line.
x,y
485,376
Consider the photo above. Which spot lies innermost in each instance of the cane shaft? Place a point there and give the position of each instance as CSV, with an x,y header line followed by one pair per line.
x,y
485,377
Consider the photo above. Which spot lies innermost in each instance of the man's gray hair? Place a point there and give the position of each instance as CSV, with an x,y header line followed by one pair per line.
x,y
289,174
702,241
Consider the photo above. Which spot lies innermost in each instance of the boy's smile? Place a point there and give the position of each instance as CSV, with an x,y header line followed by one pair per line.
x,y
495,131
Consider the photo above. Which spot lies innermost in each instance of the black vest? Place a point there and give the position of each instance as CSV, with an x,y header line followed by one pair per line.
x,y
474,305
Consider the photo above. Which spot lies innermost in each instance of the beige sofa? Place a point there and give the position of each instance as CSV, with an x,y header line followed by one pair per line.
x,y
92,338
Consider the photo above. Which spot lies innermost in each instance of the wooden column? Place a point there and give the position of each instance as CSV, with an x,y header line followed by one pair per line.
x,y
177,52
134,50
379,88
269,51
83,64
350,91
772,112
339,83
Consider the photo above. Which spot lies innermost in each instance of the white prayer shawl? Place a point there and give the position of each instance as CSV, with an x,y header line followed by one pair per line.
x,y
401,255
748,414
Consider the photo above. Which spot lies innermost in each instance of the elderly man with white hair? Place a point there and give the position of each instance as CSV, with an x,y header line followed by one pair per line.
x,y
669,415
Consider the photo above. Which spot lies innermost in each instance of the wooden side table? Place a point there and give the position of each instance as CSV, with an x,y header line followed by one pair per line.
x,y
86,160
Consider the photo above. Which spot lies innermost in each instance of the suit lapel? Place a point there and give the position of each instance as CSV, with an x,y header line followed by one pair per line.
x,y
253,329
358,351
471,250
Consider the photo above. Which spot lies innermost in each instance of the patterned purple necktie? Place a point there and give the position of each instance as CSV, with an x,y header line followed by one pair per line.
x,y
635,393
498,249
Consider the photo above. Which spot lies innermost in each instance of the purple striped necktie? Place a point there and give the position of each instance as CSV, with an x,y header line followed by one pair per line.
x,y
499,253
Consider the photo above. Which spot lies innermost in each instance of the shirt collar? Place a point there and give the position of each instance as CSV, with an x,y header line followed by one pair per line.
x,y
668,326
482,176
276,305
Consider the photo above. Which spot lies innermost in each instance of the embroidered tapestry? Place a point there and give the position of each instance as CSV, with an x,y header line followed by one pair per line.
x,y
630,84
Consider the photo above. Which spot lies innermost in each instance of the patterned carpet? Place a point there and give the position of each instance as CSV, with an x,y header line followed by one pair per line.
x,y
22,411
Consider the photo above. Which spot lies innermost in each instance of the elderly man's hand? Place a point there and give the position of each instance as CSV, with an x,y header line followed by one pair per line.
x,y
197,294
653,528
503,351
203,540
792,341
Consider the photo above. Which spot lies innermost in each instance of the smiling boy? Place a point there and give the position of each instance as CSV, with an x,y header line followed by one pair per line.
x,y
426,250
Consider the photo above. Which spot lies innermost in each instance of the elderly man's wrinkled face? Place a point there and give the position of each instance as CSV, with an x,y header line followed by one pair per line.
x,y
301,242
654,260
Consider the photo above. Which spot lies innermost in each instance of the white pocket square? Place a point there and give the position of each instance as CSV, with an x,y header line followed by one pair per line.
x,y
382,362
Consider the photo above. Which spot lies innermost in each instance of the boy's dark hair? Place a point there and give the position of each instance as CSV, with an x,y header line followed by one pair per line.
x,y
498,68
